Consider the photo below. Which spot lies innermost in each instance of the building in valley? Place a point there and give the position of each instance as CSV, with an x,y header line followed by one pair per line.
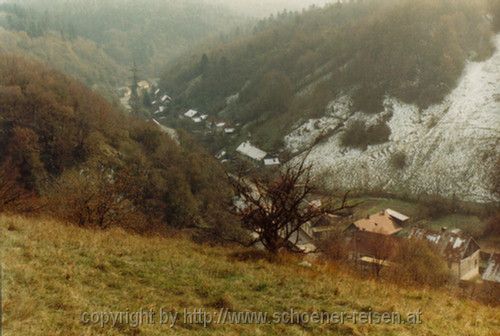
x,y
387,222
461,251
249,150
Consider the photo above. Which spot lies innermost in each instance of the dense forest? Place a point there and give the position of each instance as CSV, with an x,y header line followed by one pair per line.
x,y
97,41
65,151
291,66
261,8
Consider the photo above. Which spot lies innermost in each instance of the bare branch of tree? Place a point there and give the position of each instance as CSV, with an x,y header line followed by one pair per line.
x,y
275,210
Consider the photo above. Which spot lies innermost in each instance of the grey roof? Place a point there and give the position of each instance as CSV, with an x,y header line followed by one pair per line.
x,y
397,215
452,245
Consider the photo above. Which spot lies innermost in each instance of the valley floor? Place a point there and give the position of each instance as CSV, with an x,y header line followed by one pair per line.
x,y
54,273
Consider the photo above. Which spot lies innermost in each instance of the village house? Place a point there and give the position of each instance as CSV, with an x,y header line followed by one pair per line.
x,y
220,124
371,251
221,154
303,239
248,150
387,222
461,252
190,113
370,242
271,160
300,241
166,98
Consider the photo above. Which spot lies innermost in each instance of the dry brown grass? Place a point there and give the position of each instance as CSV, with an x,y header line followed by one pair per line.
x,y
54,272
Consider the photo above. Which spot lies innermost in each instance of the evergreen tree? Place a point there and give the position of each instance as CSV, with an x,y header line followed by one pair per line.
x,y
204,63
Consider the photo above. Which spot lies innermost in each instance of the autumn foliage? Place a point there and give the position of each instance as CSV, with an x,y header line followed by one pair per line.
x,y
94,165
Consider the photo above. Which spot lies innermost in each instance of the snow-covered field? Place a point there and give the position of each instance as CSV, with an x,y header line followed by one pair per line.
x,y
451,148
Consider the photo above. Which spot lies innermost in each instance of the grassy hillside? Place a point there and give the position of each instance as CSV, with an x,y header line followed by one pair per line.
x,y
293,65
53,273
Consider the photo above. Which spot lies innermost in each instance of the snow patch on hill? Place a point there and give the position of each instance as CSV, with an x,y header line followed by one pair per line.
x,y
338,112
451,148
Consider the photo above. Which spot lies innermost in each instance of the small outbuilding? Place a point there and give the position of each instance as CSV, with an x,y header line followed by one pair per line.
x,y
271,161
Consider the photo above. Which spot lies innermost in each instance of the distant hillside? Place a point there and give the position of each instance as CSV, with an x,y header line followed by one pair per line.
x,y
81,159
263,8
450,149
293,65
53,273
393,95
80,57
97,41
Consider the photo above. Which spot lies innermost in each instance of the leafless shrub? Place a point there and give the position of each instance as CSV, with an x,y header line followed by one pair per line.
x,y
274,210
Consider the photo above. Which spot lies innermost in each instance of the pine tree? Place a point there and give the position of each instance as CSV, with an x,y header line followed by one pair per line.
x,y
204,63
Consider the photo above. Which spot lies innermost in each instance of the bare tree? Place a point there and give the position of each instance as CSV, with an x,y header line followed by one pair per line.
x,y
274,210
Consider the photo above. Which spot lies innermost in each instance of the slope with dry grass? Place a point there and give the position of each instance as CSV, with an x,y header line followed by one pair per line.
x,y
54,272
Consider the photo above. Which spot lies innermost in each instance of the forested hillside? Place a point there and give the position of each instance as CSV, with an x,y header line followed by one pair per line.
x,y
263,8
97,41
79,57
292,66
68,153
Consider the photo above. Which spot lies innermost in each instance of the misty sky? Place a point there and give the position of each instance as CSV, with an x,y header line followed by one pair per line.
x,y
246,7
256,8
